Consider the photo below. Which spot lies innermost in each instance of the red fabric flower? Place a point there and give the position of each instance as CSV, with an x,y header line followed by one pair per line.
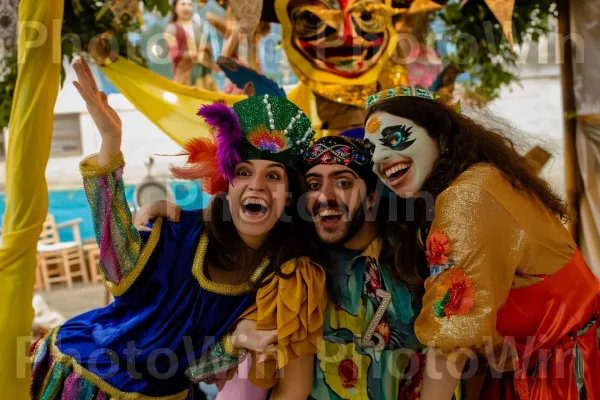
x,y
457,294
438,246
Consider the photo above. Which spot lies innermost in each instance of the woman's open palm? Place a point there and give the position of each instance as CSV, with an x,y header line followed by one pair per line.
x,y
105,117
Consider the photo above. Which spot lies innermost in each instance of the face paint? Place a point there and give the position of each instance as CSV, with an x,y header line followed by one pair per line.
x,y
337,38
373,125
404,154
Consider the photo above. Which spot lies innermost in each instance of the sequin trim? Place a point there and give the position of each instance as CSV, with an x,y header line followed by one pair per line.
x,y
128,280
213,364
397,92
367,341
67,362
93,170
230,348
120,243
221,288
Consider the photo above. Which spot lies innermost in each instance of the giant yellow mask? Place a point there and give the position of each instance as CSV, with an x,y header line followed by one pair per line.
x,y
337,43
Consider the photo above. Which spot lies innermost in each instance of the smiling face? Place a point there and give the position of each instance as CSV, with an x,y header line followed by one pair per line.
x,y
344,37
404,153
336,200
257,197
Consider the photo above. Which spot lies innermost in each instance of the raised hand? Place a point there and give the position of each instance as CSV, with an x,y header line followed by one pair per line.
x,y
105,117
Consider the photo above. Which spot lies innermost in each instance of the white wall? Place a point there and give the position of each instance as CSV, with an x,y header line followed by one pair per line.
x,y
536,109
141,139
532,106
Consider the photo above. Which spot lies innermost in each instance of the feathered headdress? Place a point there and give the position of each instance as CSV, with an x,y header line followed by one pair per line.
x,y
214,158
260,127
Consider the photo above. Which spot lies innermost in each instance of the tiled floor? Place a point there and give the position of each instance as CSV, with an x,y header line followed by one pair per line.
x,y
72,302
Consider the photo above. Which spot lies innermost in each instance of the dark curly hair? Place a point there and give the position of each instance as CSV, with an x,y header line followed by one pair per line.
x,y
462,142
291,237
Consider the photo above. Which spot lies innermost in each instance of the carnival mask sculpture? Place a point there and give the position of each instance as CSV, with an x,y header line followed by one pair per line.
x,y
331,39
344,37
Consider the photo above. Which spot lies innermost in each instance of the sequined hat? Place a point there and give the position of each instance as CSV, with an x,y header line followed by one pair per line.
x,y
399,91
340,150
273,129
257,128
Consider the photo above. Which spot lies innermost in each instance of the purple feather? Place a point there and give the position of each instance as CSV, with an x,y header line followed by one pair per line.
x,y
229,136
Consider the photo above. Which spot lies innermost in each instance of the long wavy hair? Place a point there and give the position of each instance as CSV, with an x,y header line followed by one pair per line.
x,y
290,238
462,142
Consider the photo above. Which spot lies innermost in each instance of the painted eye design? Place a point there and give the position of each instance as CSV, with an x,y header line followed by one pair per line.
x,y
396,137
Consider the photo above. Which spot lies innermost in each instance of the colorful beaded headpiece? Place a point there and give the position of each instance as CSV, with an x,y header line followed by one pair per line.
x,y
340,150
399,91
257,128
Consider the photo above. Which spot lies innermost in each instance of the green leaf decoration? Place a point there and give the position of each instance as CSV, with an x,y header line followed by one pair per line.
x,y
438,306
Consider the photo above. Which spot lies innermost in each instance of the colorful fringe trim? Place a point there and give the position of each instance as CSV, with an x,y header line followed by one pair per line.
x,y
58,376
215,364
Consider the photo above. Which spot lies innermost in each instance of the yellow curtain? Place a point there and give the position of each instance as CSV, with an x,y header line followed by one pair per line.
x,y
170,106
30,135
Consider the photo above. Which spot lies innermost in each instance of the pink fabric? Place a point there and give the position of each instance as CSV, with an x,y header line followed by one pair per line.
x,y
240,386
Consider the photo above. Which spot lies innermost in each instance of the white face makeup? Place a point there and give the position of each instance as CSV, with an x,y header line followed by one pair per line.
x,y
404,153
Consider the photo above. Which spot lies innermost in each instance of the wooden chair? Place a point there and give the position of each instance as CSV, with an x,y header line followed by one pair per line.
x,y
39,279
57,259
92,255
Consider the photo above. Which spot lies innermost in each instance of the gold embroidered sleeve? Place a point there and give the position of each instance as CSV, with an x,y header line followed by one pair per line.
x,y
473,250
120,242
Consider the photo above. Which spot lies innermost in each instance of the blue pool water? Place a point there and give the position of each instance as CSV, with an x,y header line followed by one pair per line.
x,y
70,204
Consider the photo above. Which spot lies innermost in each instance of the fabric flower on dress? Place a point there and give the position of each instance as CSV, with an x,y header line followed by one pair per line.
x,y
456,294
438,248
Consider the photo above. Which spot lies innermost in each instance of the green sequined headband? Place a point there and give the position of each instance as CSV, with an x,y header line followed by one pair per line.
x,y
399,91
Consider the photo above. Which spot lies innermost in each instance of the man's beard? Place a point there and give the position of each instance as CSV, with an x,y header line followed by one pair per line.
x,y
357,220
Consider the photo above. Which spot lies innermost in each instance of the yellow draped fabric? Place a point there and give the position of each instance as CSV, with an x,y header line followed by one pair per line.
x,y
170,106
26,193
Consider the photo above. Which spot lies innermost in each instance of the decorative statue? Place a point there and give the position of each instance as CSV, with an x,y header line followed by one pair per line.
x,y
190,53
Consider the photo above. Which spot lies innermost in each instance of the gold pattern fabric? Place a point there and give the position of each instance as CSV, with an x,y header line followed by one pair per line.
x,y
295,307
502,239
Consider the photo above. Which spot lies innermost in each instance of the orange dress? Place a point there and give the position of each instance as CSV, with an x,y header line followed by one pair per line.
x,y
508,282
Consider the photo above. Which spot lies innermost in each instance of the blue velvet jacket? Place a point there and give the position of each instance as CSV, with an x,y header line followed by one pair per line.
x,y
166,312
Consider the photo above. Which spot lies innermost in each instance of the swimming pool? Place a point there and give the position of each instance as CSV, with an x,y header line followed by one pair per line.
x,y
70,204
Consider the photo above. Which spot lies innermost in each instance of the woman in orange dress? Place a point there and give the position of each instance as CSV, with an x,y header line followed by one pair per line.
x,y
507,283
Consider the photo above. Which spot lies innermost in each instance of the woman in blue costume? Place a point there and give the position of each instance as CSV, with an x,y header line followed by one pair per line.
x,y
180,288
